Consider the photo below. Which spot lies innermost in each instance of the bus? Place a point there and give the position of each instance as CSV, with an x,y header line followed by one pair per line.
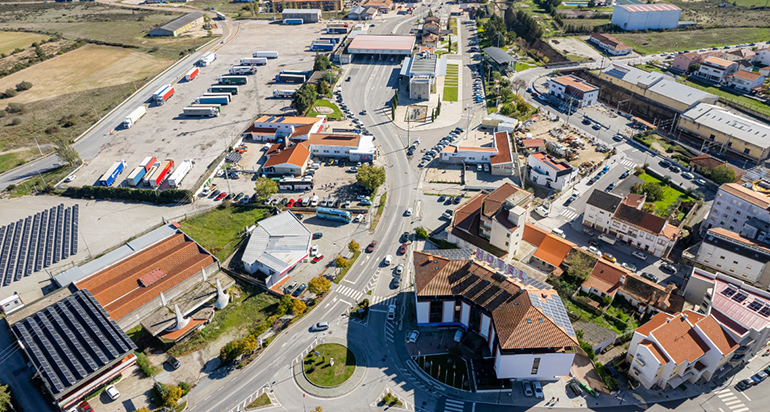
x,y
295,185
333,214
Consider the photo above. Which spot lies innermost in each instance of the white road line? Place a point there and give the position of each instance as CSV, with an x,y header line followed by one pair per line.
x,y
726,394
746,396
741,410
733,402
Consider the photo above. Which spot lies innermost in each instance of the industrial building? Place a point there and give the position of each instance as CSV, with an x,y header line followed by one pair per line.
x,y
381,45
646,16
524,327
723,131
610,44
383,6
271,129
276,245
362,13
735,255
307,15
420,73
179,25
325,5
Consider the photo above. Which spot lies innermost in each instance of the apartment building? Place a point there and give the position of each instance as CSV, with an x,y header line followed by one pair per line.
x,y
716,69
737,256
546,171
733,205
573,90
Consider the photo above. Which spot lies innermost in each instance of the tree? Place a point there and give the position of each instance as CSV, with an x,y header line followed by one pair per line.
x,y
265,187
298,307
518,84
323,87
341,262
353,246
506,94
395,97
66,152
142,409
693,67
506,109
318,409
371,176
421,233
5,398
580,265
172,396
321,63
10,93
591,3
304,98
723,174
653,190
319,285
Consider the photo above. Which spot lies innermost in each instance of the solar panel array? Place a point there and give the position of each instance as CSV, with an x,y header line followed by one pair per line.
x,y
71,340
38,241
554,309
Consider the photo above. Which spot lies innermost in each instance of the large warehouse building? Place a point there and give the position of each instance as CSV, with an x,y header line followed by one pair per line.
x,y
179,25
382,45
646,16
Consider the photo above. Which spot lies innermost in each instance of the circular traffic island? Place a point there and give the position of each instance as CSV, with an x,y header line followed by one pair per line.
x,y
329,365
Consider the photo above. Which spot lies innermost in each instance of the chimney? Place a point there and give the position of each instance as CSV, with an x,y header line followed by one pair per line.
x,y
623,280
222,298
181,322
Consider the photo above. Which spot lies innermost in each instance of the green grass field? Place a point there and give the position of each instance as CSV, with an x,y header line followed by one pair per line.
x,y
668,41
219,230
670,195
320,372
335,115
9,41
450,83
10,160
38,183
262,400
737,98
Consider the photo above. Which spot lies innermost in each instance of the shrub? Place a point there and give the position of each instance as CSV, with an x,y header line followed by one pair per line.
x,y
23,86
341,262
145,366
421,233
3,113
185,388
133,195
9,93
15,108
16,121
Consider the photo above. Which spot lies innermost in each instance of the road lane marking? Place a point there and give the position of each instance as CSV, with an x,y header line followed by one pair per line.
x,y
747,397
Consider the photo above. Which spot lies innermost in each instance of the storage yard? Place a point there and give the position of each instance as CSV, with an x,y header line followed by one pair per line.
x,y
201,133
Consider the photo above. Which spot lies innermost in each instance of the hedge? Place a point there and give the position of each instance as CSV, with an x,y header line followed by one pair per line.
x,y
131,195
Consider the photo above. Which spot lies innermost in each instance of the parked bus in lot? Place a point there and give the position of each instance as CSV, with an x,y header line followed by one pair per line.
x,y
295,184
243,70
218,88
333,214
290,78
283,94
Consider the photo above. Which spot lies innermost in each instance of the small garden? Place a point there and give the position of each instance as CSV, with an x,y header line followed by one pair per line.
x,y
451,82
326,108
448,369
262,400
662,199
220,230
361,310
329,365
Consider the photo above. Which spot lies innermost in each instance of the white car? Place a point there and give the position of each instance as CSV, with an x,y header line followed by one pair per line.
x,y
595,250
639,255
206,191
540,210
699,182
408,212
112,392
414,336
388,259
391,312
399,269
687,175
538,389
359,217
313,250
70,178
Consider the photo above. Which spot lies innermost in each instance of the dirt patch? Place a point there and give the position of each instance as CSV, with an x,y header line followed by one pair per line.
x,y
29,54
107,66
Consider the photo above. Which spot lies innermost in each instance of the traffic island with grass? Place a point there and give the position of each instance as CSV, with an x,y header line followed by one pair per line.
x,y
262,400
329,365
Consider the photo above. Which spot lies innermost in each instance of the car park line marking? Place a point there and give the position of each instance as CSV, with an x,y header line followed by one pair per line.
x,y
747,397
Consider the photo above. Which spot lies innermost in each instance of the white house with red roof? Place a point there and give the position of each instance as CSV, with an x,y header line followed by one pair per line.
x,y
716,69
276,128
745,81
610,44
574,90
499,156
544,170
671,349
762,56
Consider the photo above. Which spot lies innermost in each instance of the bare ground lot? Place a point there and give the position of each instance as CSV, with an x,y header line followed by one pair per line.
x,y
164,133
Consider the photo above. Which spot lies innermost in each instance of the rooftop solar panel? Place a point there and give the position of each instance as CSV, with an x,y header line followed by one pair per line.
x,y
765,311
756,304
729,291
740,296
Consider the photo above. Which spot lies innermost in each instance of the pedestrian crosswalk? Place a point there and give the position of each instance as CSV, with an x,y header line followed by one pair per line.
x,y
453,405
349,292
389,331
384,300
569,213
628,163
266,389
730,399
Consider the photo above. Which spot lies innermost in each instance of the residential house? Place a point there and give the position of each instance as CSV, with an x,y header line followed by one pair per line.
x,y
600,208
669,350
765,71
683,62
546,171
493,221
648,296
550,250
606,279
610,44
742,310
282,160
499,156
383,6
525,329
273,128
745,81
716,69
573,91
734,255
530,146
762,56
642,230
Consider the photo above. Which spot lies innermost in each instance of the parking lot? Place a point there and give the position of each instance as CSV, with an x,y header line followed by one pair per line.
x,y
164,133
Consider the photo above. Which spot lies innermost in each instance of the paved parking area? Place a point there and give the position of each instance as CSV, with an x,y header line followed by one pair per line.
x,y
432,208
164,133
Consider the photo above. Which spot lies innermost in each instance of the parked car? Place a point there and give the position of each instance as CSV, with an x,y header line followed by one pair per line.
x,y
595,250
442,198
221,196
114,394
699,182
650,276
639,255
299,290
388,259
404,237
675,169
402,249
538,389
318,258
370,248
744,384
408,212
759,377
526,387
667,267
574,387
85,407
687,175
609,257
391,312
173,362
414,336
318,235
628,266
399,269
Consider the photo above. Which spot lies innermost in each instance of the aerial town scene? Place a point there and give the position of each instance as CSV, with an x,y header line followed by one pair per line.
x,y
379,205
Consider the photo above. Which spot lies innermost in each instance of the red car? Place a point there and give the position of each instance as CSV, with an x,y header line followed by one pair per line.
x,y
85,407
317,258
402,249
290,203
370,248
221,196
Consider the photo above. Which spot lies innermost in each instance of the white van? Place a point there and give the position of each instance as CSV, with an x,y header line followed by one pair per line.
x,y
558,232
305,201
314,201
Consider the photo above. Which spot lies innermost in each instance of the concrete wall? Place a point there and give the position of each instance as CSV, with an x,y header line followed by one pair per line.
x,y
552,366
423,312
448,310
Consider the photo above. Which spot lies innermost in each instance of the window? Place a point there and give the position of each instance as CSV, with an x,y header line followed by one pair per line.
x,y
719,203
747,151
729,207
535,366
738,212
748,267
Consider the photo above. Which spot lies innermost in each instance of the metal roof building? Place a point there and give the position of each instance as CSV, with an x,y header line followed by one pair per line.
x,y
276,246
72,343
384,44
730,131
307,15
179,25
499,58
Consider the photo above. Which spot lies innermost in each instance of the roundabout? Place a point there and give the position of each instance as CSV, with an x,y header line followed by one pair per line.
x,y
329,365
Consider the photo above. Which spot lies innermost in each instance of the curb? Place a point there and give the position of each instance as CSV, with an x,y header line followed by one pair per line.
x,y
328,392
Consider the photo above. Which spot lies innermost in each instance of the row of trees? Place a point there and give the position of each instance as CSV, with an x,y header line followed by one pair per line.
x,y
162,197
523,24
9,92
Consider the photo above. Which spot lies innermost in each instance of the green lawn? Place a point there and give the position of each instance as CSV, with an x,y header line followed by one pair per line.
x,y
380,209
219,230
453,370
577,309
450,83
649,68
249,310
262,400
9,40
320,372
737,98
9,161
667,41
670,195
336,115
523,66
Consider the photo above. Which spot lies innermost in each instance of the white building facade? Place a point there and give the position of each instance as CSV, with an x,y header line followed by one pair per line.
x,y
573,90
730,253
600,208
646,16
544,170
734,205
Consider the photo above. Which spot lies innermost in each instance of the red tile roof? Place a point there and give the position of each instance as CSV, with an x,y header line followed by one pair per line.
x,y
747,194
716,61
605,277
721,339
551,162
552,249
529,143
296,155
679,340
118,289
610,41
749,76
705,161
494,201
657,320
659,355
575,83
503,144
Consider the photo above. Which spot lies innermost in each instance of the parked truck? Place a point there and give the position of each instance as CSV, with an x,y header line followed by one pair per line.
x,y
322,46
243,70
290,78
223,89
150,172
293,21
233,80
133,117
176,178
207,59
108,178
218,107
192,73
163,94
200,111
336,30
148,162
267,54
254,61
220,16
136,176
162,173
283,94
212,100
331,39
